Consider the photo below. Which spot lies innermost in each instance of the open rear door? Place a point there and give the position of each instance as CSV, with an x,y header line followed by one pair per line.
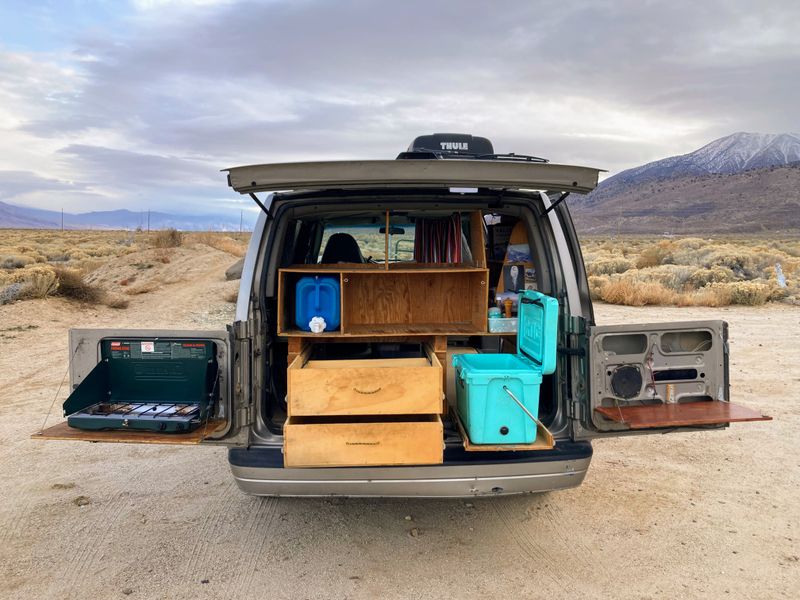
x,y
150,387
653,378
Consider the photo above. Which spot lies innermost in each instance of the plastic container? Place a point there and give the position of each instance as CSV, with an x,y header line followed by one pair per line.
x,y
483,381
503,324
318,296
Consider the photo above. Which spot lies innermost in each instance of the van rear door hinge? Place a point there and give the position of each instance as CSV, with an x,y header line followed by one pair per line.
x,y
241,330
575,410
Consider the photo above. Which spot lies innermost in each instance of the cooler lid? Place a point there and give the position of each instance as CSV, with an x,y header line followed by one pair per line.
x,y
538,329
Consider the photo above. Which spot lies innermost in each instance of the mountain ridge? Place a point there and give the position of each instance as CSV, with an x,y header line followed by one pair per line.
x,y
14,216
730,181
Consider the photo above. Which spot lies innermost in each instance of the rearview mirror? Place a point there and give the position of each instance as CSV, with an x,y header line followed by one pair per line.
x,y
393,230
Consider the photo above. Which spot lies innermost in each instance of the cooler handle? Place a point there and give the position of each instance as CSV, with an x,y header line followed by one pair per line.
x,y
522,406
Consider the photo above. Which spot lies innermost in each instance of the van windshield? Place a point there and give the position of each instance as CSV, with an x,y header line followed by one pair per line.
x,y
371,241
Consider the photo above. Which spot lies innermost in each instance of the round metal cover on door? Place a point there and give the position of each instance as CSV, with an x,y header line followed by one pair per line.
x,y
626,381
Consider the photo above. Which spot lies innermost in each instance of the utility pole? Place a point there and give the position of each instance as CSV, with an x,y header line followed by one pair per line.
x,y
148,220
62,219
241,219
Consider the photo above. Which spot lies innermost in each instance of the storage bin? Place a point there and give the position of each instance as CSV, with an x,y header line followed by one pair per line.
x,y
488,383
318,296
502,324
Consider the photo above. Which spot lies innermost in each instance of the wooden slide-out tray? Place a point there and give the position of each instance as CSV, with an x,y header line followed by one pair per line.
x,y
363,441
653,416
390,386
62,431
544,440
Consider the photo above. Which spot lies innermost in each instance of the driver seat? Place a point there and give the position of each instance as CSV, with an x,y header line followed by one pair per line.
x,y
341,248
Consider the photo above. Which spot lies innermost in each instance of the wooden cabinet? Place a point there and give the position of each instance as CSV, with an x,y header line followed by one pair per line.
x,y
419,300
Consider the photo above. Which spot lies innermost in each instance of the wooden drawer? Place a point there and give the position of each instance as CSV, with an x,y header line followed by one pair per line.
x,y
391,386
362,441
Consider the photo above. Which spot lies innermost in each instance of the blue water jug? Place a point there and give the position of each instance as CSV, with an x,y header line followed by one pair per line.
x,y
318,296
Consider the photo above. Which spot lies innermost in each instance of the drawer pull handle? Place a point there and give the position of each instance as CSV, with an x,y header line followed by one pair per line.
x,y
375,391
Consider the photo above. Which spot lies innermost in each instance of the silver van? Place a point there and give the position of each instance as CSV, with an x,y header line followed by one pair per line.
x,y
366,222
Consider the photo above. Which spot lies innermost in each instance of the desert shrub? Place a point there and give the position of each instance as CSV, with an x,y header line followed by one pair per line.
x,y
702,277
15,261
748,293
231,296
167,238
630,292
674,277
596,284
40,283
36,281
609,266
655,255
163,255
714,296
71,284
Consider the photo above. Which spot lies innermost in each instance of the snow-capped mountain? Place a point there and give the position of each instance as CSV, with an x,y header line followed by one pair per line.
x,y
731,154
743,182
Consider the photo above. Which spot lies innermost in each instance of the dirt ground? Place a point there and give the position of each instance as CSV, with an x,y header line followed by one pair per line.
x,y
700,515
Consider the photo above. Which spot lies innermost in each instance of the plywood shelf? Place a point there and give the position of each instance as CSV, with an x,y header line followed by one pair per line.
x,y
544,440
380,268
417,301
688,414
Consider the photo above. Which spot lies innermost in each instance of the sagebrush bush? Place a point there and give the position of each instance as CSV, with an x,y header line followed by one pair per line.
x,y
630,292
15,261
71,284
658,254
674,277
167,238
39,283
747,293
608,266
596,284
702,277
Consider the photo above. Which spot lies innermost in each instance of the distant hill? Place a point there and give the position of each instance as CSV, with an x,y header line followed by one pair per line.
x,y
21,217
745,182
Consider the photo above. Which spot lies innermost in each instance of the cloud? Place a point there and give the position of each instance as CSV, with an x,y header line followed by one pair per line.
x,y
150,109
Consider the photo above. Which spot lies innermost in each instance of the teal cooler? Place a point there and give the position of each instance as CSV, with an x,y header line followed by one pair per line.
x,y
486,384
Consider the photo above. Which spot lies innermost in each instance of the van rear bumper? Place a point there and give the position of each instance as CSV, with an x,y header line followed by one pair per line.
x,y
259,471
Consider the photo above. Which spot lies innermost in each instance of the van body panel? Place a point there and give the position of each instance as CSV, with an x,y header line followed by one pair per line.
x,y
260,471
411,173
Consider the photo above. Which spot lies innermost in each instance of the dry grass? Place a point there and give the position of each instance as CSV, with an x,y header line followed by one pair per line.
x,y
692,271
232,243
163,255
166,238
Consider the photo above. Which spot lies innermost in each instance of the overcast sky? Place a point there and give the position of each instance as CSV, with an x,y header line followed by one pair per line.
x,y
139,104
